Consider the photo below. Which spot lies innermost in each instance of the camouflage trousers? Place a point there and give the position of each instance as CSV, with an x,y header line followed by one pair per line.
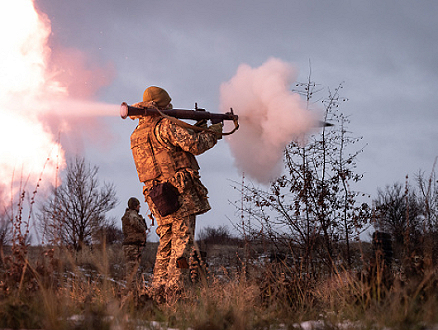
x,y
171,268
132,253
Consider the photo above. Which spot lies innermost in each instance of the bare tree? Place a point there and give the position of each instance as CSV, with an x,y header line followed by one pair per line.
x,y
311,208
75,211
5,228
428,204
428,198
5,221
397,212
109,233
216,235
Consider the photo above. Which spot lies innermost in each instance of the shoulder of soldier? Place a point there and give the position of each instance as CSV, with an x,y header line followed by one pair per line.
x,y
130,213
126,214
167,127
144,104
137,215
164,122
164,130
133,214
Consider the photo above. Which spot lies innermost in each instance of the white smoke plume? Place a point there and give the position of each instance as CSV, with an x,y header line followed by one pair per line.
x,y
270,117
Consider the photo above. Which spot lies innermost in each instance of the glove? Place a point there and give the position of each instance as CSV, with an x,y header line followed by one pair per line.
x,y
217,129
201,123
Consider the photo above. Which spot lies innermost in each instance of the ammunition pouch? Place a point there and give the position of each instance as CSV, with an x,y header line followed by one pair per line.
x,y
165,198
182,263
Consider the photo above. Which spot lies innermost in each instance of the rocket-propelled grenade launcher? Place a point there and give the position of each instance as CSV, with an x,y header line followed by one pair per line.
x,y
196,114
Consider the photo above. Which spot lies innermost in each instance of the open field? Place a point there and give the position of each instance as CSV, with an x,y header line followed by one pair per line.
x,y
244,289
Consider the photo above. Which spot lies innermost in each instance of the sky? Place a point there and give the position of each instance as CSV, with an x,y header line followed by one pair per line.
x,y
385,54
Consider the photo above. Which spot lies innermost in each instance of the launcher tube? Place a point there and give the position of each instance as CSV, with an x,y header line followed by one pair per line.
x,y
127,110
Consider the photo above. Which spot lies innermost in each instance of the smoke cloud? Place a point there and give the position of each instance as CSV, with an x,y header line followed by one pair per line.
x,y
270,117
45,94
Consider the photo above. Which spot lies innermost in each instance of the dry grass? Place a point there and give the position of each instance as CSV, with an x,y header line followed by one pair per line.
x,y
59,289
53,288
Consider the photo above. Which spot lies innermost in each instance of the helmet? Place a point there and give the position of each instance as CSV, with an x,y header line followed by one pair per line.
x,y
157,95
133,203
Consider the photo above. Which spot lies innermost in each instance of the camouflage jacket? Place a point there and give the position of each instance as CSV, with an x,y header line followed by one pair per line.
x,y
164,151
134,228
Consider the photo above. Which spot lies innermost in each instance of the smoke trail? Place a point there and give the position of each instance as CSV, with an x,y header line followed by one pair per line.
x,y
270,117
39,86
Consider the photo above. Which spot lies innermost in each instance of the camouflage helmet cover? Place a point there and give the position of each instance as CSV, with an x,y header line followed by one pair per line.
x,y
157,95
133,203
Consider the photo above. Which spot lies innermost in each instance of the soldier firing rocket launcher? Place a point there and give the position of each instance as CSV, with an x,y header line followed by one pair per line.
x,y
196,114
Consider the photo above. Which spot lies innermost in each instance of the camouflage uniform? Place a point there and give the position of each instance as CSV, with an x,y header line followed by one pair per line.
x,y
164,152
134,232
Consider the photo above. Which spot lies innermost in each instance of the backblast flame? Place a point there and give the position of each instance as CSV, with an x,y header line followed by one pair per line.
x,y
31,91
27,146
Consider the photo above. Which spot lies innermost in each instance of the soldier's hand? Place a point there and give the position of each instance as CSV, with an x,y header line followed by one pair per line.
x,y
201,123
217,129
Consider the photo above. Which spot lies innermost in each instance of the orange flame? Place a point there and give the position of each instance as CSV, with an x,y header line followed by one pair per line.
x,y
30,89
27,146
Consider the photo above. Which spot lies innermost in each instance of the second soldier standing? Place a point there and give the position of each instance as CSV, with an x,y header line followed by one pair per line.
x,y
134,231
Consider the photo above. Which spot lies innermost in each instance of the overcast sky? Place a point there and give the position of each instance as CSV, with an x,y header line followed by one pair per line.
x,y
384,52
